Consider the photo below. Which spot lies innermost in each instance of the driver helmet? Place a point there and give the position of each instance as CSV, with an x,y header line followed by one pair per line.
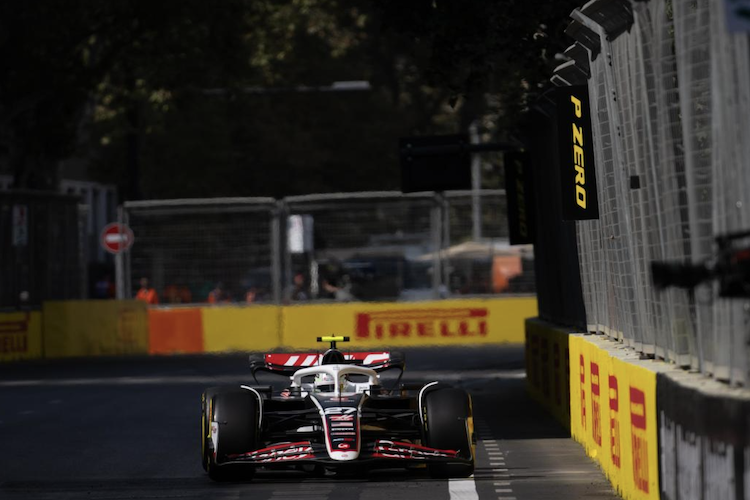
x,y
323,383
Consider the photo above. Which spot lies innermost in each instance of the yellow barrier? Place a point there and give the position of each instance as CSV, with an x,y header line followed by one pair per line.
x,y
237,328
445,322
613,414
20,336
95,327
548,368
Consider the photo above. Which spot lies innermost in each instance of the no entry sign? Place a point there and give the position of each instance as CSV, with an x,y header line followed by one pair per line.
x,y
116,237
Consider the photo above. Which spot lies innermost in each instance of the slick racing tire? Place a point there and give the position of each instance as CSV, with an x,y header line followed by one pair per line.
x,y
449,426
206,415
236,414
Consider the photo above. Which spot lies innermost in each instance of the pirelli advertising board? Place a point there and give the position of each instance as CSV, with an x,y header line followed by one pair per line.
x,y
577,176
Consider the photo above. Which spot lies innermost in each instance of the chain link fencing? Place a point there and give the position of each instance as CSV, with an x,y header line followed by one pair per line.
x,y
41,255
376,246
670,99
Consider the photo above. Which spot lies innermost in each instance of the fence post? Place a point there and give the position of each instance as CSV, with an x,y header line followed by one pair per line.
x,y
120,264
476,186
276,246
436,228
286,289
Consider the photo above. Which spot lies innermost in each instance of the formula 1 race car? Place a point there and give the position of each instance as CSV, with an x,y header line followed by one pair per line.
x,y
335,416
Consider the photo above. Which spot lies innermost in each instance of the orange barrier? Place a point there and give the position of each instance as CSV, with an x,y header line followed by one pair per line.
x,y
175,331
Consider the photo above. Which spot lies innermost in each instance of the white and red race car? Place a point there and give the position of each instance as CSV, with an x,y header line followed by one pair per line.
x,y
335,415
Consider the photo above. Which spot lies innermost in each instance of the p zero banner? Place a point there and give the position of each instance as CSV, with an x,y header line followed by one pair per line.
x,y
575,141
519,189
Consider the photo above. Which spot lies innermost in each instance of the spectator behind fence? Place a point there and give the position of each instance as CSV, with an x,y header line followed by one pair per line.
x,y
299,292
146,293
105,288
251,295
218,295
177,294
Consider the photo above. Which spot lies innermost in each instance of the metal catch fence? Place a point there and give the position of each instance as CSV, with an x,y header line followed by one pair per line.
x,y
41,255
376,246
670,107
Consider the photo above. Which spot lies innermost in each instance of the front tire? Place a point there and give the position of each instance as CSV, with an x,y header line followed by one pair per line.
x,y
235,413
450,426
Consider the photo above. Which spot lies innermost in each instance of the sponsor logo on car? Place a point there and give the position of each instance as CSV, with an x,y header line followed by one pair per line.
x,y
339,410
305,359
407,451
342,418
278,453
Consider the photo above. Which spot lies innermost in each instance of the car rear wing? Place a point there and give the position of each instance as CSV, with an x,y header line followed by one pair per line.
x,y
288,363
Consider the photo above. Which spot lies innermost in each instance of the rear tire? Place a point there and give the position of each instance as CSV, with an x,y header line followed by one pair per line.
x,y
450,426
236,414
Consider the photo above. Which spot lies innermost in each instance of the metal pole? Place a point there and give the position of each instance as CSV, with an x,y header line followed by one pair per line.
x,y
476,185
128,279
445,264
120,264
284,236
436,227
276,253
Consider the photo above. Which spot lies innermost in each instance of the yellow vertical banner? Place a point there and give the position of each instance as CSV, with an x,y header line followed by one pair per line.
x,y
20,335
95,328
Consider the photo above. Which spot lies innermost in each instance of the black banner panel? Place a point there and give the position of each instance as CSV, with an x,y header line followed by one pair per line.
x,y
577,176
519,190
435,163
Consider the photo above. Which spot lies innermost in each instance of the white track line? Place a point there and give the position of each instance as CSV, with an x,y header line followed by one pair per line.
x,y
463,489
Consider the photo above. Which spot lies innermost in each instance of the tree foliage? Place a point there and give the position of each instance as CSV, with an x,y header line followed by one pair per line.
x,y
191,98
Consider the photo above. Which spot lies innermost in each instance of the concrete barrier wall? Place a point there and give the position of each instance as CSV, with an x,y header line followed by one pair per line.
x,y
656,431
94,328
175,331
548,368
112,327
613,413
262,328
20,336
704,436
237,328
445,322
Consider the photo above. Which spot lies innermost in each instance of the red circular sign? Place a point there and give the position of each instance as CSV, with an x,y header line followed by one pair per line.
x,y
116,237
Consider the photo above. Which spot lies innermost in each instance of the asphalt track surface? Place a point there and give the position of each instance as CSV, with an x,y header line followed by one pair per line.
x,y
128,428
